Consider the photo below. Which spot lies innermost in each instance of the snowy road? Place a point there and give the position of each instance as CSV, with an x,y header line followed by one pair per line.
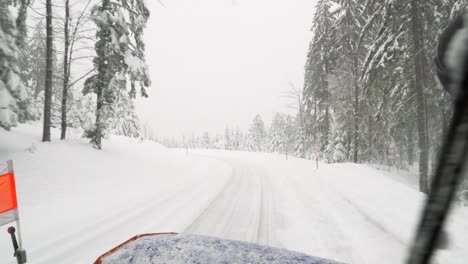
x,y
276,208
244,209
289,204
72,211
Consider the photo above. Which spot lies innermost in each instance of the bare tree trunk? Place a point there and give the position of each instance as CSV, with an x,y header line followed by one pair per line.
x,y
356,124
315,121
370,124
421,119
301,116
348,145
48,79
410,144
66,74
356,114
326,133
327,108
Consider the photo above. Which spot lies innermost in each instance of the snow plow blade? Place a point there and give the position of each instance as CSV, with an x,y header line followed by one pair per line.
x,y
174,248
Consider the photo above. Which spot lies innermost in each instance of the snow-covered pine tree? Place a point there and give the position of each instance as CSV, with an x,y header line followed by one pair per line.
x,y
37,47
123,118
319,64
14,101
194,141
206,141
34,73
276,134
300,147
119,61
219,142
237,137
297,103
228,139
374,93
29,73
257,134
290,133
339,154
350,27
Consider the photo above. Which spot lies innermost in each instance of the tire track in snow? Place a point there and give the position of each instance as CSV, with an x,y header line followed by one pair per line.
x,y
231,215
320,234
343,198
328,225
372,221
244,210
268,213
366,234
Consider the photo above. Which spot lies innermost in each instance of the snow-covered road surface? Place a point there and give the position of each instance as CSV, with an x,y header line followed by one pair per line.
x,y
77,202
273,206
244,209
349,213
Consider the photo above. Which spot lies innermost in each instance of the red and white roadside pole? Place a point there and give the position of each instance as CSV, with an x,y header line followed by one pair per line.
x,y
9,211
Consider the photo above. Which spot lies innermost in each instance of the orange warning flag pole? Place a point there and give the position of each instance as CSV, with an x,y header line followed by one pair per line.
x,y
8,201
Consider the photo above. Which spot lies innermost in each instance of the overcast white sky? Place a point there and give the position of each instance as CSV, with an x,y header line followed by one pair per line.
x,y
218,63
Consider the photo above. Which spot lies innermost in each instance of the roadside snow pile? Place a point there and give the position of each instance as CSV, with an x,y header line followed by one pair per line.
x,y
176,249
75,201
394,206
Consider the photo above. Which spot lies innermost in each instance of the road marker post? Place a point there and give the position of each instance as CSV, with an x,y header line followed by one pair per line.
x,y
9,211
316,161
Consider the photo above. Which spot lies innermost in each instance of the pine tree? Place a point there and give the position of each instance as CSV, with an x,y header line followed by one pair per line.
x,y
339,154
318,67
237,139
228,139
206,141
277,133
289,135
257,134
379,82
14,100
120,58
37,47
123,118
300,148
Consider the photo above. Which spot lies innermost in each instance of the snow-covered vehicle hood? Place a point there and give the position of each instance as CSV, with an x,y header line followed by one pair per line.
x,y
179,248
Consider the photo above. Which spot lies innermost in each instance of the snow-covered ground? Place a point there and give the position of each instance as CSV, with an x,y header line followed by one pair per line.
x,y
77,202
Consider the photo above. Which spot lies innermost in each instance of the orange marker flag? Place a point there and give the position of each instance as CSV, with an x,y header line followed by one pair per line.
x,y
8,201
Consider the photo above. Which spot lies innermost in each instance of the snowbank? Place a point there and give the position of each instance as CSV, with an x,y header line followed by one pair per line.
x,y
75,202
